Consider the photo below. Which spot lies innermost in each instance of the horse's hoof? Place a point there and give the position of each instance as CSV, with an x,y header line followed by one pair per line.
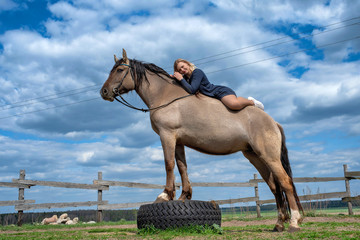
x,y
293,229
184,197
278,228
163,197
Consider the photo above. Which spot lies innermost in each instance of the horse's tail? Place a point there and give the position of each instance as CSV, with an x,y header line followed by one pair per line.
x,y
286,165
284,153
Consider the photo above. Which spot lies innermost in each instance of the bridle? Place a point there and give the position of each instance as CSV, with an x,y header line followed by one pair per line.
x,y
129,105
116,89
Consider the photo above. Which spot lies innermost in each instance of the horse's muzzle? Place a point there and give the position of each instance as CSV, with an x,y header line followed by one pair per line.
x,y
106,94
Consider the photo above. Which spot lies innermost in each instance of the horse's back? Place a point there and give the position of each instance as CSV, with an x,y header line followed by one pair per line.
x,y
205,124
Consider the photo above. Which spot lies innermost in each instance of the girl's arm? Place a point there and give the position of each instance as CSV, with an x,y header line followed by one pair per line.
x,y
197,76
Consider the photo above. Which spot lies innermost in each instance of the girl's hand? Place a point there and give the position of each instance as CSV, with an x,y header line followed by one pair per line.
x,y
178,76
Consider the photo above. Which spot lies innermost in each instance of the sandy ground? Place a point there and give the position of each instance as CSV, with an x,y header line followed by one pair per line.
x,y
235,223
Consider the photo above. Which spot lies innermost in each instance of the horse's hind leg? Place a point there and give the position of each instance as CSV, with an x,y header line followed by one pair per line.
x,y
268,142
286,185
269,179
182,166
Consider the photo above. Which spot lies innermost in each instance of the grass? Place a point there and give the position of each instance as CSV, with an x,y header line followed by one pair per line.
x,y
248,215
338,227
104,230
194,231
29,227
310,230
244,215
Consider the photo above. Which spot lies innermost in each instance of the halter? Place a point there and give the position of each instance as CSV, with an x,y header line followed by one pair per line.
x,y
125,103
116,89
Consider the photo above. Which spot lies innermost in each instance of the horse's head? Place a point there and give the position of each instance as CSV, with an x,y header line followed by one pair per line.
x,y
120,79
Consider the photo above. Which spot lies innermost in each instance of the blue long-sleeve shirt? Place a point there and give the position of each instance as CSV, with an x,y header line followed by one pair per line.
x,y
199,82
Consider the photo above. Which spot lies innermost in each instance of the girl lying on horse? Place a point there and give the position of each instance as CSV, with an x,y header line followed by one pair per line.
x,y
193,80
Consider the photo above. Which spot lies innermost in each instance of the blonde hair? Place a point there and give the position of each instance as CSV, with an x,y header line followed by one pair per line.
x,y
179,60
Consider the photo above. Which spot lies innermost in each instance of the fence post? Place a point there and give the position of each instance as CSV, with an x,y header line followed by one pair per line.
x,y
99,216
347,186
257,196
21,197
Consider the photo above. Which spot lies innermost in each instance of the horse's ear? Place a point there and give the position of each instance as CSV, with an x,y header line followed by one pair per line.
x,y
115,58
125,59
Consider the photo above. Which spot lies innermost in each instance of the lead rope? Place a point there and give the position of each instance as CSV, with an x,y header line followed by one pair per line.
x,y
125,103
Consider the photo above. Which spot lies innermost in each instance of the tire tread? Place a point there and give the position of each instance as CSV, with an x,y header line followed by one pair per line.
x,y
178,214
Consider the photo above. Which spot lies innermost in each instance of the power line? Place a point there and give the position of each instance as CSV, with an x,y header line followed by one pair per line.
x,y
43,100
270,41
291,40
33,99
258,44
284,55
224,69
43,109
216,55
237,66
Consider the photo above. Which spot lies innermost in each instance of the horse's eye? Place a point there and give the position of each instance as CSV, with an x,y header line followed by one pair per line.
x,y
119,70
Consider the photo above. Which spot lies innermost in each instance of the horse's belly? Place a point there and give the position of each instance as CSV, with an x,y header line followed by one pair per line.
x,y
208,127
217,142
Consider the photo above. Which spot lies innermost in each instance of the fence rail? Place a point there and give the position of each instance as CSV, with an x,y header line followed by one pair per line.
x,y
104,185
31,183
353,175
25,207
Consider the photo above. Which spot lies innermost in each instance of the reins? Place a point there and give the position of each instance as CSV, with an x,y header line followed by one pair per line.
x,y
125,103
129,105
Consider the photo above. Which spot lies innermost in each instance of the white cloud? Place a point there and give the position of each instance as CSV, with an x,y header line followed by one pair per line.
x,y
6,5
85,157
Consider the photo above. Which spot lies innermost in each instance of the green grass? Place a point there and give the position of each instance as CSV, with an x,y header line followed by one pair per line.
x,y
249,215
194,231
69,233
310,230
30,227
244,215
338,227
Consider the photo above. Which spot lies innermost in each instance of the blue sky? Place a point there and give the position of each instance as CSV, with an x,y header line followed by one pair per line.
x,y
55,56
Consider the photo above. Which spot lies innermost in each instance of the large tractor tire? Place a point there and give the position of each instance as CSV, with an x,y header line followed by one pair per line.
x,y
175,214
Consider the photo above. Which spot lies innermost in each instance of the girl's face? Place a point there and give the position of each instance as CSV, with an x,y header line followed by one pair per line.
x,y
184,68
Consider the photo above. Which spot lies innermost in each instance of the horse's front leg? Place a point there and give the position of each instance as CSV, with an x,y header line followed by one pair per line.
x,y
168,143
182,166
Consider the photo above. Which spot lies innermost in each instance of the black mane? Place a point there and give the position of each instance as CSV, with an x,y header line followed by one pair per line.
x,y
139,70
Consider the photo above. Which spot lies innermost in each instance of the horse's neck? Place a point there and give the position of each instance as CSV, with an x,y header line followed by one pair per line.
x,y
159,91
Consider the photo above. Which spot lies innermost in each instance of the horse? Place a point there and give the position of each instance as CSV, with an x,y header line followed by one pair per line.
x,y
206,125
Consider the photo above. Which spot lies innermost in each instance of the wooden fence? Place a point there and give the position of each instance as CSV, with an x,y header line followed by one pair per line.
x,y
103,185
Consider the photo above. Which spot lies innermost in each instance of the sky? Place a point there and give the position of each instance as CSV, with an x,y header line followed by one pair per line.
x,y
300,58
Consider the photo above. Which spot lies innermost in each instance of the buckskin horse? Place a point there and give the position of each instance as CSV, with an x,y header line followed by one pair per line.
x,y
206,125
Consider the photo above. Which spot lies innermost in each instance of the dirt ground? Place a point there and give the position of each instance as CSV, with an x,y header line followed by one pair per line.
x,y
236,223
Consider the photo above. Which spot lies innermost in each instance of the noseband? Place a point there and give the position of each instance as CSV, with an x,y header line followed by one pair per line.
x,y
125,103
